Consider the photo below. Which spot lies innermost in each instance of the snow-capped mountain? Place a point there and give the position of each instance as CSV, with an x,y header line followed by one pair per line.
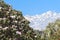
x,y
40,21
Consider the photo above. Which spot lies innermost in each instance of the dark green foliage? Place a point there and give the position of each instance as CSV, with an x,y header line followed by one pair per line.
x,y
53,30
13,26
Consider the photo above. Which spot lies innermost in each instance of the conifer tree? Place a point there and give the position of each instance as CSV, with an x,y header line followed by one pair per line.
x,y
53,30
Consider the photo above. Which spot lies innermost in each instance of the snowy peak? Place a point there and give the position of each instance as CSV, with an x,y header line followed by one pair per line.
x,y
39,22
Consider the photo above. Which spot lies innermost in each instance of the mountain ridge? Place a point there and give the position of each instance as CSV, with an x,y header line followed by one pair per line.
x,y
39,22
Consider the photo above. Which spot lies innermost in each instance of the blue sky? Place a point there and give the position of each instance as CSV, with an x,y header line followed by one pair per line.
x,y
32,7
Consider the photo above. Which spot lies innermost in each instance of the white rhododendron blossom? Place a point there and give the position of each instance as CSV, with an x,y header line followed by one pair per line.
x,y
7,11
4,18
0,7
15,21
13,26
12,16
35,36
5,28
0,27
18,32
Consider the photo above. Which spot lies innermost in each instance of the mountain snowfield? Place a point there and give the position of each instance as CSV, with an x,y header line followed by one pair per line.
x,y
40,21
